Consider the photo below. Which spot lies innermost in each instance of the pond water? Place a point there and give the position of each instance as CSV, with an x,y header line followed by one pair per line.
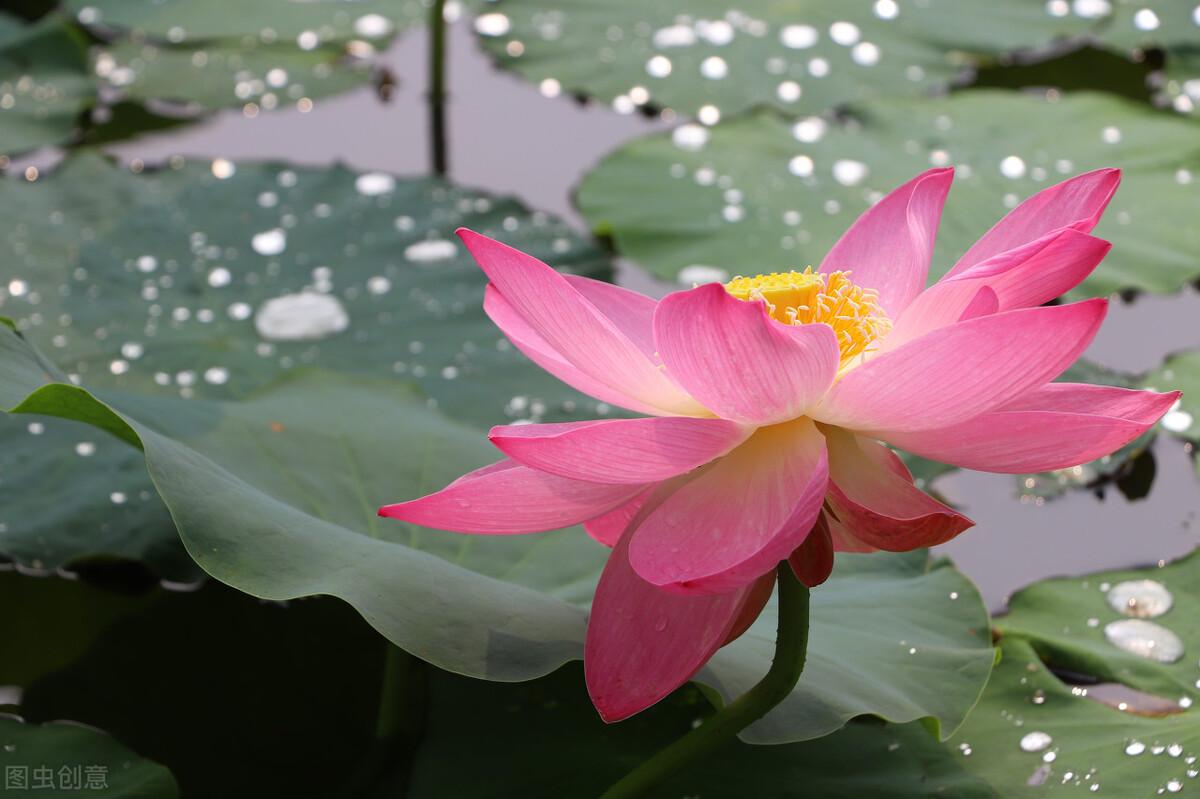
x,y
506,137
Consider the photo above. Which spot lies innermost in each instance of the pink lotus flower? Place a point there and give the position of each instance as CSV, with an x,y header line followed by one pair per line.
x,y
767,400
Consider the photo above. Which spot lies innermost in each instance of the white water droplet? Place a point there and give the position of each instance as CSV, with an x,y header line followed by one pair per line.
x,y
374,183
1145,639
219,277
799,37
700,273
372,26
269,242
301,317
1143,599
849,172
690,137
1035,741
430,250
493,24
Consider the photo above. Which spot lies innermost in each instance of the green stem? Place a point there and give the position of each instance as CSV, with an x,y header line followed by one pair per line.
x,y
437,87
399,726
791,646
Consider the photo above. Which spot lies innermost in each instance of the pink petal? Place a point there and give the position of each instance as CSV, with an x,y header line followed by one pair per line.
x,y
1076,203
609,527
507,498
1039,271
643,642
538,350
873,496
737,361
737,518
1052,427
890,246
960,371
941,305
631,312
812,562
573,328
620,450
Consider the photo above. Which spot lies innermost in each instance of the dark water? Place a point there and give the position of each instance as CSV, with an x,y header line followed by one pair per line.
x,y
507,138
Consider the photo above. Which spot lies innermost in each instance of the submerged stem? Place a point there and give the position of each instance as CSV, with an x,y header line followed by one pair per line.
x,y
791,647
437,87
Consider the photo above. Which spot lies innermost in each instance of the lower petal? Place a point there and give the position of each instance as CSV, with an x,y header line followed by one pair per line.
x,y
1053,427
737,518
609,527
873,496
506,498
644,642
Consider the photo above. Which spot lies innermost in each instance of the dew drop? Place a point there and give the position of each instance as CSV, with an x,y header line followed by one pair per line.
x,y
1035,741
430,250
219,277
1145,639
1143,599
372,26
798,37
493,24
301,317
690,137
374,183
700,273
269,242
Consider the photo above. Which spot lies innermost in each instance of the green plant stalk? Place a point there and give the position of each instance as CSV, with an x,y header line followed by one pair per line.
x,y
437,87
791,648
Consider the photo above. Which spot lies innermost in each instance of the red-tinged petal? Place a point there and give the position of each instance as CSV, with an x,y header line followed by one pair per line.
x,y
890,246
1052,427
812,562
573,328
620,450
609,527
1076,203
737,361
507,498
957,372
752,606
643,642
737,518
873,496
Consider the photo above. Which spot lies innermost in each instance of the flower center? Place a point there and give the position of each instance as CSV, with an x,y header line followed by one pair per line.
x,y
808,297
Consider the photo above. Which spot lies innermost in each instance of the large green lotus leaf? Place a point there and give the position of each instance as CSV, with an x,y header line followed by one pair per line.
x,y
266,20
1033,735
896,636
760,193
275,495
505,727
1068,621
228,73
1031,729
44,84
151,283
61,759
702,58
161,640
